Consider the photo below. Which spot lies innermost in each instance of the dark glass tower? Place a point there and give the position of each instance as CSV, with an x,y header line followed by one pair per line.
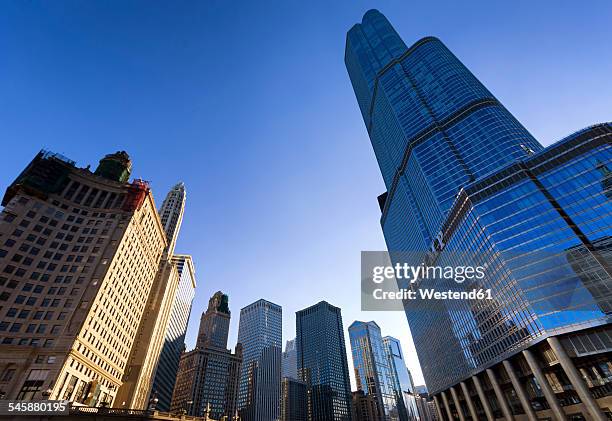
x,y
322,362
467,185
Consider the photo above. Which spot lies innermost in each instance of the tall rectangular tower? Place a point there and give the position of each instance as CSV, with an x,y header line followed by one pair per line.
x,y
373,373
136,390
260,334
171,214
468,186
289,363
322,362
79,252
401,376
174,342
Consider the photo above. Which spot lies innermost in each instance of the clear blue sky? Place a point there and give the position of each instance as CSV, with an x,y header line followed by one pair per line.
x,y
250,105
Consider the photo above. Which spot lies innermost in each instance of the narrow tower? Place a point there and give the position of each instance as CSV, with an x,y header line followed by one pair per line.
x,y
171,214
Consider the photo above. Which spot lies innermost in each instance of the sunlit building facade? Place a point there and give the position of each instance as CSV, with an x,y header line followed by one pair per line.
x,y
155,326
79,253
171,214
467,185
174,342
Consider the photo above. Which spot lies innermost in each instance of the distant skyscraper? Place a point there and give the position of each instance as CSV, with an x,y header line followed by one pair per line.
x,y
294,400
171,214
467,185
214,323
289,363
207,380
174,342
322,362
79,253
373,371
260,333
402,381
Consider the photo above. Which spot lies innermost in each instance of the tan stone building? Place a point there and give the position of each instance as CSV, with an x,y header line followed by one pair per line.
x,y
79,254
144,358
138,379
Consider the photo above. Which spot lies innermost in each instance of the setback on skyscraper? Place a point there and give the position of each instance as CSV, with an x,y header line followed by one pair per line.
x,y
468,186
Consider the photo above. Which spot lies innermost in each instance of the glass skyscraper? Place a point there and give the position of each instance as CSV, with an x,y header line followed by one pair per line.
x,y
322,362
402,383
174,342
467,185
260,334
373,372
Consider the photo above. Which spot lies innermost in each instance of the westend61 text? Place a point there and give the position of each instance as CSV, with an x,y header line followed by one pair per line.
x,y
432,294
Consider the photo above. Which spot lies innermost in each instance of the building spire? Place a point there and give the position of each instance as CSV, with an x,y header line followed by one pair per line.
x,y
171,214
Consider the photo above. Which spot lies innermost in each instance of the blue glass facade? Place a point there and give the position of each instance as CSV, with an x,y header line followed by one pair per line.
x,y
463,175
374,373
543,226
322,362
402,383
174,342
434,127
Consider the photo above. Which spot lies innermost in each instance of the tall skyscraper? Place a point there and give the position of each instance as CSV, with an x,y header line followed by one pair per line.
x,y
171,214
322,362
289,361
214,323
207,379
260,334
402,380
149,339
137,387
177,284
174,342
79,255
373,372
467,185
